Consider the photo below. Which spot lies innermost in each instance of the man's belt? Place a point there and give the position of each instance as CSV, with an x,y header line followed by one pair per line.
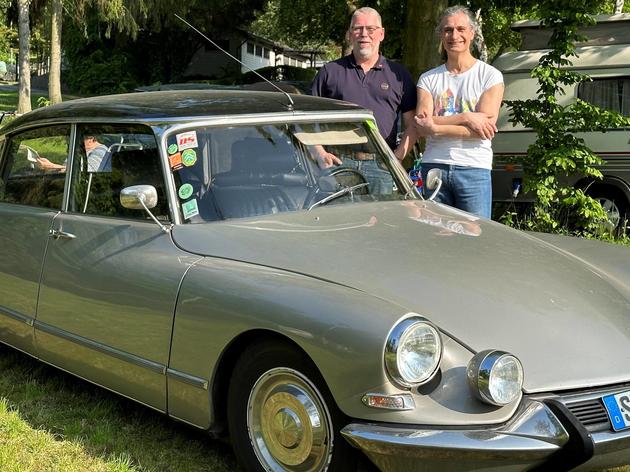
x,y
364,156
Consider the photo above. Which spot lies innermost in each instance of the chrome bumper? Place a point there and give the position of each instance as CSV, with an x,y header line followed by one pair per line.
x,y
534,436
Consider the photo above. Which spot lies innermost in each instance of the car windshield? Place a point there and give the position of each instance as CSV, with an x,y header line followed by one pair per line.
x,y
252,170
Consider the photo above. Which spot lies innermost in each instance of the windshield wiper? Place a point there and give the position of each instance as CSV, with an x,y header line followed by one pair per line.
x,y
338,194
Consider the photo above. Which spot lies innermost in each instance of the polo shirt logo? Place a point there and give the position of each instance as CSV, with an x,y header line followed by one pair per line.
x,y
385,86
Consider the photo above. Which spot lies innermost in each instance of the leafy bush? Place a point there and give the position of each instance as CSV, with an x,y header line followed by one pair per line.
x,y
100,73
557,151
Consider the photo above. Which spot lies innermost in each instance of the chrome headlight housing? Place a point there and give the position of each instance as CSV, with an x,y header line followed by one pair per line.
x,y
495,377
413,352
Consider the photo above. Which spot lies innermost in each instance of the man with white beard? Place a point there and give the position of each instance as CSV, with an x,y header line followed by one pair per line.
x,y
366,78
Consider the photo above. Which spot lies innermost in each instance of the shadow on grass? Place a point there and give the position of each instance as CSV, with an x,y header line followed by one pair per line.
x,y
106,424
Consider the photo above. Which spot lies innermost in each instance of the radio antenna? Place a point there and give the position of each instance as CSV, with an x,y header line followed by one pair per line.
x,y
291,104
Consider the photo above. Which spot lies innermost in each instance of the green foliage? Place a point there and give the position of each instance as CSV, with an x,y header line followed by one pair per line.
x,y
307,25
304,24
43,102
99,73
557,151
114,46
8,41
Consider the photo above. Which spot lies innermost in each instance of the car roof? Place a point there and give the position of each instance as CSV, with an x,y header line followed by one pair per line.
x,y
176,105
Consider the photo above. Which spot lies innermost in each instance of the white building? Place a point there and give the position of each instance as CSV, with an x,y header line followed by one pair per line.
x,y
254,51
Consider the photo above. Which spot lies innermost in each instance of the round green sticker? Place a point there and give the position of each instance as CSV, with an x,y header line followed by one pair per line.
x,y
185,191
189,157
172,149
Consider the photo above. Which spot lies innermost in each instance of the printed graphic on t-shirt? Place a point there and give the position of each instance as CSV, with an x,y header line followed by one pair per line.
x,y
450,104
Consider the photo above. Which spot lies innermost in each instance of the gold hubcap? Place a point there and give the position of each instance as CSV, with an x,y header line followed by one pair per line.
x,y
289,424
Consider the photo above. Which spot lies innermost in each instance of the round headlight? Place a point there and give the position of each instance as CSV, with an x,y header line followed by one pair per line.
x,y
413,352
495,377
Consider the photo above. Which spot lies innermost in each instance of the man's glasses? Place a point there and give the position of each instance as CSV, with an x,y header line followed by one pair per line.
x,y
369,29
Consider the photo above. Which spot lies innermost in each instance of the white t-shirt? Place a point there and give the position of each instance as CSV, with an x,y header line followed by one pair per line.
x,y
458,93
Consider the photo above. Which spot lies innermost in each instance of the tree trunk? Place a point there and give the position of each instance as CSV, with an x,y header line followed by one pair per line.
x,y
24,93
480,42
54,76
420,43
346,46
619,6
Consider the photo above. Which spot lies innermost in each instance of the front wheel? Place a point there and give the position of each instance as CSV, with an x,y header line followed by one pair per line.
x,y
281,416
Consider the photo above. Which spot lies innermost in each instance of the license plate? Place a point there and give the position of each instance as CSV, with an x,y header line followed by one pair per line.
x,y
618,408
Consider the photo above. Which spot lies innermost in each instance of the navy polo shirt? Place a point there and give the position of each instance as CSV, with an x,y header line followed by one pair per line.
x,y
386,90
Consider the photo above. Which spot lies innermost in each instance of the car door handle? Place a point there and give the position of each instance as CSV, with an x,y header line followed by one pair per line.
x,y
56,233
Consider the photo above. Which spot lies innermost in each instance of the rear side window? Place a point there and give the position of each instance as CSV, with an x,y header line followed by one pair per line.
x,y
612,94
108,158
33,171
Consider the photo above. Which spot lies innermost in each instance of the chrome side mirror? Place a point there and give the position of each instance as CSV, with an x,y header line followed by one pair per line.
x,y
434,182
139,197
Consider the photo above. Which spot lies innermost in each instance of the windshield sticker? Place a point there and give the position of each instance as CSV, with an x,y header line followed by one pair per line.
x,y
370,124
185,191
172,149
175,161
190,209
187,140
189,157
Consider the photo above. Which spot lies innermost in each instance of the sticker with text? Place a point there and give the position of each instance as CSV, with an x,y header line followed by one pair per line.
x,y
190,209
186,140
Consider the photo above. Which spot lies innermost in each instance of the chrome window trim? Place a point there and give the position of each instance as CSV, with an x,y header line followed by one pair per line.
x,y
71,147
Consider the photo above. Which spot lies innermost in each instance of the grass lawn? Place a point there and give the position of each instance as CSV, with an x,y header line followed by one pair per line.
x,y
8,100
52,421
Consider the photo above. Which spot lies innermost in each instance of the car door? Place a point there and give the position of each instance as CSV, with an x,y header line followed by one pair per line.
x,y
111,275
30,197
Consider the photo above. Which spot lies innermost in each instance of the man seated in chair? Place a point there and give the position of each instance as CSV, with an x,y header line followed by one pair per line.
x,y
99,158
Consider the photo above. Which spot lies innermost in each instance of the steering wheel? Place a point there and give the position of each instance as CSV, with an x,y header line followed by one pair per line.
x,y
347,170
313,193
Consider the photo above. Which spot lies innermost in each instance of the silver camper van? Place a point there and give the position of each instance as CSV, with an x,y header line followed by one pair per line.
x,y
605,57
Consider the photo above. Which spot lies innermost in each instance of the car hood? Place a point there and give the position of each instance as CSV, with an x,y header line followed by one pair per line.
x,y
482,283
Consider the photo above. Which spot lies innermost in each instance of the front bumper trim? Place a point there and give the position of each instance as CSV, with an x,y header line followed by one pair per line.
x,y
528,439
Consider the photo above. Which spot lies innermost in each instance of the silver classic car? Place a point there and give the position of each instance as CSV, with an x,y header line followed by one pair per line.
x,y
191,250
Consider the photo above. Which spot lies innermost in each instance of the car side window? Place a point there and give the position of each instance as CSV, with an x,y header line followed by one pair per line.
x,y
108,158
33,172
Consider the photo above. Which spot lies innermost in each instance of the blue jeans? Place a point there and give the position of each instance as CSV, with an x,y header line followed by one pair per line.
x,y
466,188
380,180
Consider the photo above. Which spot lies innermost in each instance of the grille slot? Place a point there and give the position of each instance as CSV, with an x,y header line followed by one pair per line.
x,y
591,413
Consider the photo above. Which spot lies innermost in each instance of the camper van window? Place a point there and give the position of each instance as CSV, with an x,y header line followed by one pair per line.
x,y
611,94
